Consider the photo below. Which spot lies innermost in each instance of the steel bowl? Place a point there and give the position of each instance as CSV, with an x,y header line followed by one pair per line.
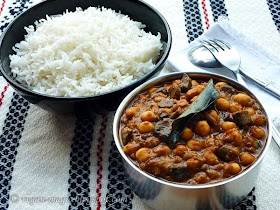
x,y
136,9
160,194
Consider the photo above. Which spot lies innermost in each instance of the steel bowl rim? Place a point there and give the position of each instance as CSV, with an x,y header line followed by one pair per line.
x,y
153,71
141,88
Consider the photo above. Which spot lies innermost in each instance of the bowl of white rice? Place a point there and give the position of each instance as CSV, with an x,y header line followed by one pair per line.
x,y
64,54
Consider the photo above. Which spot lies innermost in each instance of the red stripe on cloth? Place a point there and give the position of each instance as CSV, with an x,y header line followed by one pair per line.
x,y
2,6
3,94
99,159
205,14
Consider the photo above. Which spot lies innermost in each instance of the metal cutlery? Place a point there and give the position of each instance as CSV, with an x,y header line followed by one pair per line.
x,y
200,56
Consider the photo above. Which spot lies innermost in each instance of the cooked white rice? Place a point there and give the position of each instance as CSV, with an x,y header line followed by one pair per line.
x,y
84,53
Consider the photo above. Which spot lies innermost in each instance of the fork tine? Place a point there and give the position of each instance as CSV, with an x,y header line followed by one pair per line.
x,y
225,43
222,43
208,45
218,45
204,42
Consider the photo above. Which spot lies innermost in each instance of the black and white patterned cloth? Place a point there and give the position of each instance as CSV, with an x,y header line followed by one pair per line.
x,y
49,161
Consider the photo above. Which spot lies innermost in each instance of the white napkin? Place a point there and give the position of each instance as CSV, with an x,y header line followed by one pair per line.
x,y
254,60
258,62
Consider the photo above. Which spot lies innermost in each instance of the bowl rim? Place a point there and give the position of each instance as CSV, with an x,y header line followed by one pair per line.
x,y
127,100
151,72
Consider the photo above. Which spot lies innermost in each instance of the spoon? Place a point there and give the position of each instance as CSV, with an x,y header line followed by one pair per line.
x,y
200,56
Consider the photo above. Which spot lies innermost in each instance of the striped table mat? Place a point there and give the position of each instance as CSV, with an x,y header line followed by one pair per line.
x,y
51,161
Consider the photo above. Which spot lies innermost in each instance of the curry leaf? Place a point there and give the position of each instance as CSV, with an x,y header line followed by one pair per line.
x,y
204,100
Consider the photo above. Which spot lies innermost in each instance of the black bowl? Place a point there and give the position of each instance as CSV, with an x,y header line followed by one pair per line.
x,y
137,10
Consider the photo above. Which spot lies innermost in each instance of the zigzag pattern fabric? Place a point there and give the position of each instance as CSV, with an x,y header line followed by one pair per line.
x,y
48,161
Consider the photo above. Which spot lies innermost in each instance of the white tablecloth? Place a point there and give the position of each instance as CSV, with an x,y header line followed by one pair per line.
x,y
40,152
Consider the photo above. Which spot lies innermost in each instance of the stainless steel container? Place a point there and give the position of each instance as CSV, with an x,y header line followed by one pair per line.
x,y
161,194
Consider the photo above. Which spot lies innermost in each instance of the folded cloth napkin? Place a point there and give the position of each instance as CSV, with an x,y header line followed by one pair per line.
x,y
263,65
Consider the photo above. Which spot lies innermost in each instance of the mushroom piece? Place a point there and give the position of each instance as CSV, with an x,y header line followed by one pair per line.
x,y
174,91
166,102
228,153
177,113
163,129
242,118
180,171
126,134
186,83
228,89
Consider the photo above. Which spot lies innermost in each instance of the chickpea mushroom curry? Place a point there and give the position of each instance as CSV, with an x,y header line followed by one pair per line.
x,y
214,143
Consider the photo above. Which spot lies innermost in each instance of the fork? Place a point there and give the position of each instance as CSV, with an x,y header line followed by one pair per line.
x,y
231,60
228,57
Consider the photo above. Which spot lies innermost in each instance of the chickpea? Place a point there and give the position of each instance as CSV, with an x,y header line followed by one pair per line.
x,y
195,145
246,158
194,91
199,158
175,108
189,155
210,158
143,154
178,159
182,103
212,174
222,104
145,127
194,83
187,134
130,112
234,168
152,90
130,148
202,128
233,135
251,103
180,150
192,164
162,150
219,166
235,107
193,99
242,99
237,137
151,142
201,178
209,142
259,120
154,107
212,117
228,125
166,110
183,97
251,142
148,116
133,156
251,111
220,84
257,132
158,99
177,82
255,107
